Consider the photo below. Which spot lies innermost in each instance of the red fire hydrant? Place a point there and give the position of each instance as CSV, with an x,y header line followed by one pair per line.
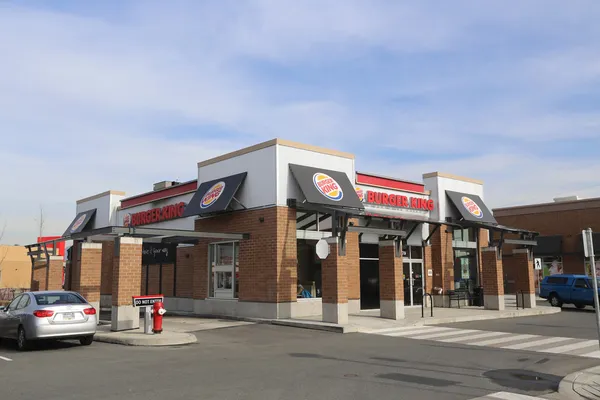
x,y
158,310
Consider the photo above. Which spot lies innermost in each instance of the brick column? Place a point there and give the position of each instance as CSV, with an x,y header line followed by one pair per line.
x,y
391,282
353,258
492,279
335,285
87,280
127,274
55,273
442,264
524,278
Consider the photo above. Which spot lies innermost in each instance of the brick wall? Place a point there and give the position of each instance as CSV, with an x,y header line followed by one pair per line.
x,y
108,253
127,273
566,219
492,274
268,270
74,269
391,282
39,276
335,276
90,271
442,259
523,269
427,265
187,259
48,276
353,263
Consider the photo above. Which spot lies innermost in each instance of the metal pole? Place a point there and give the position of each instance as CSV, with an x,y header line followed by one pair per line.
x,y
595,280
148,320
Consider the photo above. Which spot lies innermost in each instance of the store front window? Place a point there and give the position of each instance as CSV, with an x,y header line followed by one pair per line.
x,y
309,270
588,267
550,266
224,270
466,276
412,257
464,235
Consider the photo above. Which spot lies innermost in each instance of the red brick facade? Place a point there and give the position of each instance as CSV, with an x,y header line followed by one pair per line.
x,y
47,275
523,265
127,273
108,253
391,281
335,276
268,270
442,259
90,270
492,274
353,265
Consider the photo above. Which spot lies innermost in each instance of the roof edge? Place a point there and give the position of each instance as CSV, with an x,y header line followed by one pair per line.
x,y
451,176
99,195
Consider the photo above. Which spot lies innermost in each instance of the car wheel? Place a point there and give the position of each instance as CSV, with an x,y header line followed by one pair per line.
x,y
580,306
86,341
554,300
22,342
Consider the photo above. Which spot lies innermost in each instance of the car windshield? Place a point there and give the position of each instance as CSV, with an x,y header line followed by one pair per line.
x,y
50,299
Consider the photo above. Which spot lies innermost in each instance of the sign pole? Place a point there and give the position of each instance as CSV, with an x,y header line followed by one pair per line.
x,y
589,250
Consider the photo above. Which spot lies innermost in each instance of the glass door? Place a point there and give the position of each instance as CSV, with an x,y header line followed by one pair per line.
x,y
407,284
416,270
222,271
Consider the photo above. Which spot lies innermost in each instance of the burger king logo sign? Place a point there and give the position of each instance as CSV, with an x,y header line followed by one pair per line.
x,y
212,195
360,193
472,207
328,186
78,223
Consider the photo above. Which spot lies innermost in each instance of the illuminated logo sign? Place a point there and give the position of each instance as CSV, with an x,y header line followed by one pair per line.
x,y
78,223
400,201
154,215
328,186
212,195
360,193
471,207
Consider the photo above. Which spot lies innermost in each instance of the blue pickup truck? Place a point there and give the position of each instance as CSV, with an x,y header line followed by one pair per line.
x,y
568,289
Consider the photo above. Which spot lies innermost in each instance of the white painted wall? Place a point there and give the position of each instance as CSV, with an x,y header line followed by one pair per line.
x,y
259,188
287,187
106,210
438,186
179,223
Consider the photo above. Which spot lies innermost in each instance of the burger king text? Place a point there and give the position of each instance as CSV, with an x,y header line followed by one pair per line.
x,y
157,214
396,200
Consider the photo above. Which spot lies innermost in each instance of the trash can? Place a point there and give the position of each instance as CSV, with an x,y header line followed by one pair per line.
x,y
478,296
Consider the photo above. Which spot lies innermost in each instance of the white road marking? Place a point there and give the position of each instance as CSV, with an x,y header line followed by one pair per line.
x,y
471,337
593,354
5,358
511,396
535,343
573,346
416,331
453,332
503,340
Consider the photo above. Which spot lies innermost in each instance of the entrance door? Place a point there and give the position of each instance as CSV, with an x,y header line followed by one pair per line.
x,y
369,284
413,283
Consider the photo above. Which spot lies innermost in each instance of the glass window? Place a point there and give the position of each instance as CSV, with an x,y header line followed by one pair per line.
x,y
416,252
464,234
588,269
581,283
224,270
24,302
13,304
48,299
308,269
555,280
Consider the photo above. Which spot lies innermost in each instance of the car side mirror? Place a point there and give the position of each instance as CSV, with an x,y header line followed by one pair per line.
x,y
3,308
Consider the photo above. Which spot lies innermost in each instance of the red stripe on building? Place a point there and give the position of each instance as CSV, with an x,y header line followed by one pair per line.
x,y
388,183
159,194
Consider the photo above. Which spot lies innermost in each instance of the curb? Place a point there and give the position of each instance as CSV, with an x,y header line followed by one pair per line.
x,y
318,326
173,339
567,385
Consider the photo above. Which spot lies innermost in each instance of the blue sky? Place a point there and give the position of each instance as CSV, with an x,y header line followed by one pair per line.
x,y
121,94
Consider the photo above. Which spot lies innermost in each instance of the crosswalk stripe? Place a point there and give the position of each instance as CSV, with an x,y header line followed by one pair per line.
x,y
536,343
453,332
504,339
5,358
397,329
416,331
593,354
471,337
512,396
573,346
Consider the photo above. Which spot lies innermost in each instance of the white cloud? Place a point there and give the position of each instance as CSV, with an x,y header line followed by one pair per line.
x,y
90,103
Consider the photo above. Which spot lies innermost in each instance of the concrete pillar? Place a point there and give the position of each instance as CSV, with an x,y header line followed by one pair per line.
x,y
353,266
391,282
90,269
442,264
492,278
335,285
524,278
127,274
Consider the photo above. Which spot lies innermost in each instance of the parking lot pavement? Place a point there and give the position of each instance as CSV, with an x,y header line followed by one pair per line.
x,y
272,362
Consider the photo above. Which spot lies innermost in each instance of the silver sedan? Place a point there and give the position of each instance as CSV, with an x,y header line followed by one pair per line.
x,y
48,315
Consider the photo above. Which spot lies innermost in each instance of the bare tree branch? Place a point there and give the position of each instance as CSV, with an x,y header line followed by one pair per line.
x,y
41,221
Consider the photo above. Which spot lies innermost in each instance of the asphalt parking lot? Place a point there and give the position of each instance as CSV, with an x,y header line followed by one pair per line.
x,y
274,362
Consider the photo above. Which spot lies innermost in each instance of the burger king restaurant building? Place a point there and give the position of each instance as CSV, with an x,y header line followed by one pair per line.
x,y
286,230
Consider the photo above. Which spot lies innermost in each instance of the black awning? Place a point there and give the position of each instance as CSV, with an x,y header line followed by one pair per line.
x,y
326,187
595,239
471,207
80,222
214,196
548,246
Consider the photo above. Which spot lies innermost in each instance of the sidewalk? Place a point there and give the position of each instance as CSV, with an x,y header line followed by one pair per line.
x,y
581,385
176,331
369,321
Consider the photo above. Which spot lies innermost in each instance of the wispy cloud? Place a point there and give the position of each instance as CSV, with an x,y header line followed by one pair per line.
x,y
117,95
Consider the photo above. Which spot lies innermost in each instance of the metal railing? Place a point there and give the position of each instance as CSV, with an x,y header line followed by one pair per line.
x,y
423,304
